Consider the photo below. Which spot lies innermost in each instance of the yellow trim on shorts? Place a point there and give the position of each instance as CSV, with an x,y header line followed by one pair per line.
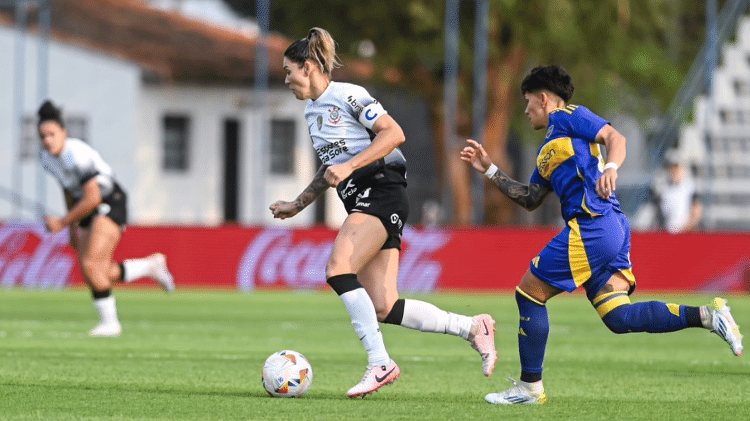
x,y
628,275
577,257
529,297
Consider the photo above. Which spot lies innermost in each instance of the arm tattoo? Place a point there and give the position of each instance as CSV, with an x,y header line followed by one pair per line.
x,y
530,196
317,186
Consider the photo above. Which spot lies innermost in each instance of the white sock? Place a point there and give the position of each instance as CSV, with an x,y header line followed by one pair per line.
x,y
365,322
136,268
426,317
107,309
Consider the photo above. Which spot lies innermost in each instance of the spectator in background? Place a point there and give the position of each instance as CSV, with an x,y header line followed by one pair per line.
x,y
677,203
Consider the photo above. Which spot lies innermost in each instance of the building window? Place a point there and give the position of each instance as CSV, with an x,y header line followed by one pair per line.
x,y
176,142
282,146
77,127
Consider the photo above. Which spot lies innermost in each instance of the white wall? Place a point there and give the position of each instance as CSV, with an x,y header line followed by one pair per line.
x,y
125,119
196,196
102,89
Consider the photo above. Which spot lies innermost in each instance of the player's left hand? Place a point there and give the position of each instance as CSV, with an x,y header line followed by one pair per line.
x,y
53,224
607,183
335,174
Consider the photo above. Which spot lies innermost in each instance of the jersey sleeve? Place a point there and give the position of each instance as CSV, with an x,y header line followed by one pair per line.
x,y
585,125
364,107
537,178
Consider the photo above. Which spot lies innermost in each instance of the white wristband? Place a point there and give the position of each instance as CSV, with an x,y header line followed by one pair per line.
x,y
491,171
611,165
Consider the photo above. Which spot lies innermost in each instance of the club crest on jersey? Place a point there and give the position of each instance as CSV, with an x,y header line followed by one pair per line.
x,y
334,115
549,131
320,122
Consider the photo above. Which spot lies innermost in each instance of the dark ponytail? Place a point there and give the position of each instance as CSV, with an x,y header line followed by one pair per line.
x,y
49,112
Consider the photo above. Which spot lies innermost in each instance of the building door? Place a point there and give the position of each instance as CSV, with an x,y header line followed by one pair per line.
x,y
231,169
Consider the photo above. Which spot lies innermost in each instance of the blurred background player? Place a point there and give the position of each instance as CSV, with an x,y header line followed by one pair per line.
x,y
593,250
357,141
96,216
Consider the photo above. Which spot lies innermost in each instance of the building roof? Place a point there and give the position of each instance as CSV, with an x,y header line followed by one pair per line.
x,y
170,47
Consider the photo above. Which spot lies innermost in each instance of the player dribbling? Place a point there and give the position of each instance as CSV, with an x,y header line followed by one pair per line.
x,y
357,141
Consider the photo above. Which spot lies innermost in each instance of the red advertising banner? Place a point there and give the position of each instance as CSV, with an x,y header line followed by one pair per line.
x,y
431,260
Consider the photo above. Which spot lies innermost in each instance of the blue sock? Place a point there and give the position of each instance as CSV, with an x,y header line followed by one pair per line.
x,y
649,316
532,337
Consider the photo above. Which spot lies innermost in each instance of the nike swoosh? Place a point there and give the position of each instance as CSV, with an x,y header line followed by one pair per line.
x,y
380,379
486,331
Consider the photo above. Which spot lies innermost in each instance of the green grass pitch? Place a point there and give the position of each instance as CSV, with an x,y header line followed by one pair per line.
x,y
197,355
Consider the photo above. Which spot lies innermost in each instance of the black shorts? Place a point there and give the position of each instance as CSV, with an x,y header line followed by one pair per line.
x,y
113,206
378,195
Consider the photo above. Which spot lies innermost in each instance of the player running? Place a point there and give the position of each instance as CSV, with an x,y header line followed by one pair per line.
x,y
96,217
593,250
357,141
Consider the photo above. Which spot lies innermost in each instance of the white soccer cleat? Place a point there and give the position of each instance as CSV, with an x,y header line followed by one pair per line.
x,y
521,393
160,272
484,342
106,330
723,324
375,377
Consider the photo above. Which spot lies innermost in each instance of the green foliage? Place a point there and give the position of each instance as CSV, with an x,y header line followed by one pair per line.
x,y
197,356
625,55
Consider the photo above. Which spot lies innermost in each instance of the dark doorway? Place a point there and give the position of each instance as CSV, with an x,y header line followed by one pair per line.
x,y
231,169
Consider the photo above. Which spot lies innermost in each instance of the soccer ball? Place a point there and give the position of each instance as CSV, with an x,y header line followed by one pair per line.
x,y
287,374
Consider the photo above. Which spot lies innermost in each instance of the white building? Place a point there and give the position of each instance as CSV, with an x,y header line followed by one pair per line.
x,y
169,103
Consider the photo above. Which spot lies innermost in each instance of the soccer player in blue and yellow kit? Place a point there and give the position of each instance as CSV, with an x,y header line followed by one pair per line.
x,y
593,250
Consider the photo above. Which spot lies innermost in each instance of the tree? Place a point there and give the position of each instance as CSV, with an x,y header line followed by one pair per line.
x,y
623,54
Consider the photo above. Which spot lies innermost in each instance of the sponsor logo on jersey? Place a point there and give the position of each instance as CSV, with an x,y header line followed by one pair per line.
x,y
331,150
334,116
549,131
355,105
544,163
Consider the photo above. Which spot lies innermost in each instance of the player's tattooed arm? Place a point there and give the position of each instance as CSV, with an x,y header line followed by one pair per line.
x,y
317,186
530,196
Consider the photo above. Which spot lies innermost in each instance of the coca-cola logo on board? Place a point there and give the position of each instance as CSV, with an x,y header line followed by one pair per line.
x,y
275,257
31,257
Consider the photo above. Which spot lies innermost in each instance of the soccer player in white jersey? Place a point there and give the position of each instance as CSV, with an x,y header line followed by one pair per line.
x,y
95,218
357,142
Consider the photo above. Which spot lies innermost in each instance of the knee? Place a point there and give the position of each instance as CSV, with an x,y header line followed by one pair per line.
x,y
335,267
89,267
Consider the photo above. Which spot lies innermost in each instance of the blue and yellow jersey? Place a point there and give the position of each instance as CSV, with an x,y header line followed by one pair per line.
x,y
569,162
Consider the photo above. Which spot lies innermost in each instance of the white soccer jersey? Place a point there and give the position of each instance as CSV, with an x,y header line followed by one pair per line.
x,y
340,123
78,163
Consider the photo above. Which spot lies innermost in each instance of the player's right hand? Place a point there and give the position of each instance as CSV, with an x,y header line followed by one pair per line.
x,y
475,155
283,210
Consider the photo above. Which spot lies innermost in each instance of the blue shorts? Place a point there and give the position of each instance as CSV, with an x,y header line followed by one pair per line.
x,y
587,252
